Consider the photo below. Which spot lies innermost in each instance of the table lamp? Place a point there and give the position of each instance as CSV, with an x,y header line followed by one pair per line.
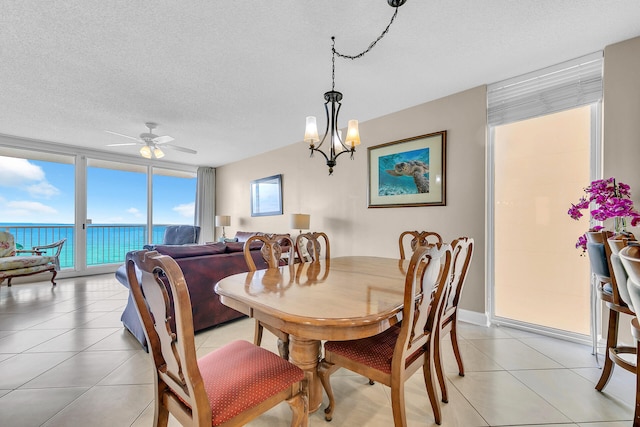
x,y
223,221
300,221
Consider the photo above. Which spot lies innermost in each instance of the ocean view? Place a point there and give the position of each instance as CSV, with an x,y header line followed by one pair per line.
x,y
106,243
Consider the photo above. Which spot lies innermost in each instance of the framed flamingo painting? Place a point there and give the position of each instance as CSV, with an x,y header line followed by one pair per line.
x,y
409,172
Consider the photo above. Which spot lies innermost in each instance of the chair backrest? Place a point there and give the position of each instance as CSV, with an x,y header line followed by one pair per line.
x,y
419,238
181,234
173,351
272,249
308,246
630,257
7,244
424,294
462,253
597,255
619,277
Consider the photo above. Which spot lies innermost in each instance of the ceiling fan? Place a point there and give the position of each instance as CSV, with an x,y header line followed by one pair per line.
x,y
151,143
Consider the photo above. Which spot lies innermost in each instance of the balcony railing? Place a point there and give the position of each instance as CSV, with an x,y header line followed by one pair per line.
x,y
106,244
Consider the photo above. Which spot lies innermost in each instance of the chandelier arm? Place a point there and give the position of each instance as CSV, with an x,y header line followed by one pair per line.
x,y
373,43
348,150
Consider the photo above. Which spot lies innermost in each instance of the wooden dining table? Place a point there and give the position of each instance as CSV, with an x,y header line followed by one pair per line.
x,y
342,298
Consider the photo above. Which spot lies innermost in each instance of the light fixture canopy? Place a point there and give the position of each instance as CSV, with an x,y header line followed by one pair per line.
x,y
332,108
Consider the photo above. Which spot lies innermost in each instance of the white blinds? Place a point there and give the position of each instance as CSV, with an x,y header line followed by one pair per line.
x,y
561,87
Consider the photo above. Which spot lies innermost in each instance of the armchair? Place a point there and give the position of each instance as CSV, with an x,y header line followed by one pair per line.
x,y
13,264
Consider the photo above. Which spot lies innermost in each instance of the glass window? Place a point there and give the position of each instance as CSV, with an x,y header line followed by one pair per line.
x,y
37,198
174,200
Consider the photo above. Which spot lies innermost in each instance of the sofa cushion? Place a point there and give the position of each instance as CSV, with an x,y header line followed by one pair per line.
x,y
183,251
243,236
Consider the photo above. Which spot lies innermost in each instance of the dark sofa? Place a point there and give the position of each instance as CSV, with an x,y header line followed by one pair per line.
x,y
203,266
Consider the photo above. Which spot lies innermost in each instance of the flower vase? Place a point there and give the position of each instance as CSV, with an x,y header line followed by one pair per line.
x,y
619,224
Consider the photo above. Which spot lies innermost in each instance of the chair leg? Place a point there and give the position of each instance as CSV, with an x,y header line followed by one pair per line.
x,y
9,281
456,349
257,335
325,369
283,347
397,405
612,342
55,273
299,405
427,372
440,371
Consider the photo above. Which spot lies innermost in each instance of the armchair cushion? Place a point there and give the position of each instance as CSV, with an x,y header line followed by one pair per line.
x,y
20,262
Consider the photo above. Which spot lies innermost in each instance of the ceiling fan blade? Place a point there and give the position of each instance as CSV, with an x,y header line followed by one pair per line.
x,y
162,139
121,145
125,136
183,149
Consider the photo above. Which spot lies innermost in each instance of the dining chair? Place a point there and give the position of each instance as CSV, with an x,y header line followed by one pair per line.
x,y
630,258
600,277
462,253
229,386
394,355
419,238
308,247
277,249
607,287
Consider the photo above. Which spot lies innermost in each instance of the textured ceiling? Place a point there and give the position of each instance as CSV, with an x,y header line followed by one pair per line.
x,y
237,78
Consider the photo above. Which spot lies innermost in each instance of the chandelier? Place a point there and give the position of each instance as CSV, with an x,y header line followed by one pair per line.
x,y
332,105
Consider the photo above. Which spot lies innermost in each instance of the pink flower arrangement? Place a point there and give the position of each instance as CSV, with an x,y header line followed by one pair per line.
x,y
612,200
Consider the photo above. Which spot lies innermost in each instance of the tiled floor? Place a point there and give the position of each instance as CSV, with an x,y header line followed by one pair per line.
x,y
65,360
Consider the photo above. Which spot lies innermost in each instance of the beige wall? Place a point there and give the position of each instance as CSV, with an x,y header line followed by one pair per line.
x,y
621,128
338,203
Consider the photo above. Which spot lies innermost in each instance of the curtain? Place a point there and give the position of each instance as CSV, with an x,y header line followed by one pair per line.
x,y
562,87
206,203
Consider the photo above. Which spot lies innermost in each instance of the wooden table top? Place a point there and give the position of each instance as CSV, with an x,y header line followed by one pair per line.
x,y
343,298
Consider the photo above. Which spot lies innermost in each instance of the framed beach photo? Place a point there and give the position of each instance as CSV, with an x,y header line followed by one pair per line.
x,y
266,196
409,172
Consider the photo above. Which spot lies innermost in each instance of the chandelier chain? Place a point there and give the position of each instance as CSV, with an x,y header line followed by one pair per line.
x,y
371,46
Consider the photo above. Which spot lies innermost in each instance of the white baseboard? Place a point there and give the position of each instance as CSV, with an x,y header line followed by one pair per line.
x,y
473,317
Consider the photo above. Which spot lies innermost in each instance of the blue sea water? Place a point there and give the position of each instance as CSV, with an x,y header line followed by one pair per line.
x,y
106,243
390,185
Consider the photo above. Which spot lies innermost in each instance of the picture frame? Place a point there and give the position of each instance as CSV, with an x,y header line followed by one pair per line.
x,y
409,172
266,196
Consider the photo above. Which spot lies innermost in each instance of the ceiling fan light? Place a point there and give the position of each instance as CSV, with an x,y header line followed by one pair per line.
x,y
158,153
145,152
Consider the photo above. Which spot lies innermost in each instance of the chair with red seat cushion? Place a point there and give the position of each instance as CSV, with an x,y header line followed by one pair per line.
x,y
228,387
397,353
420,238
277,249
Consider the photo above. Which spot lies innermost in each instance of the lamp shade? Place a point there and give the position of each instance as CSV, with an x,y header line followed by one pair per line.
x,y
223,220
353,135
311,130
300,221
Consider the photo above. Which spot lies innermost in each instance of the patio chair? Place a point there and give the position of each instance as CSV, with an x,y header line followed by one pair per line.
x,y
14,264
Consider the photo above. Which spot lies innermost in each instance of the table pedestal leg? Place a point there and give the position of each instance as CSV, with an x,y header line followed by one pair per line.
x,y
305,354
